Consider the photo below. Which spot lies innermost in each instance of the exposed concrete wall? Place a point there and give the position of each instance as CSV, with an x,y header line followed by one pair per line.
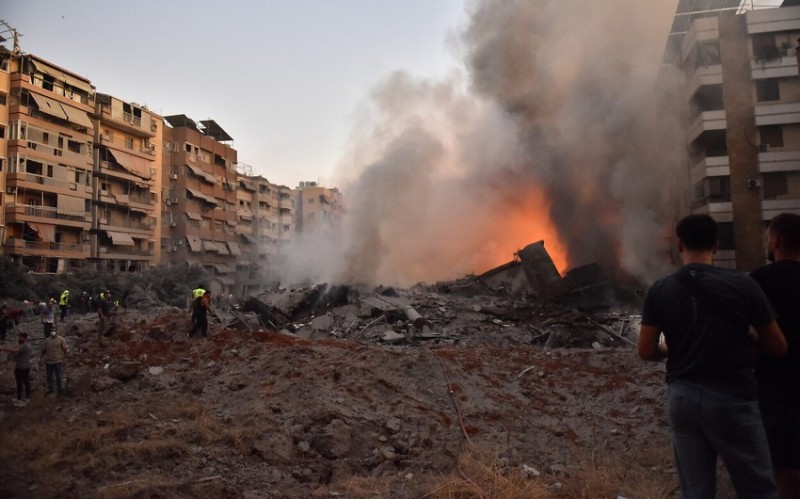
x,y
748,227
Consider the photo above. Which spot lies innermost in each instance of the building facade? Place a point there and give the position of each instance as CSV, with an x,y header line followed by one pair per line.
x,y
199,210
319,209
126,185
743,133
48,164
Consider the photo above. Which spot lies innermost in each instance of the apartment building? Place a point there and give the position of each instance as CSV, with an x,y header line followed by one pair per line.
x,y
199,210
47,163
266,223
743,133
126,185
319,209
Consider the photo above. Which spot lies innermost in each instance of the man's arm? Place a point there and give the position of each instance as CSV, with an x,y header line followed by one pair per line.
x,y
771,340
648,345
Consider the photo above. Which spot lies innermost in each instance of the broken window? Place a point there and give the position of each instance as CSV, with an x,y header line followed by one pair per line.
x,y
764,47
771,135
768,90
775,185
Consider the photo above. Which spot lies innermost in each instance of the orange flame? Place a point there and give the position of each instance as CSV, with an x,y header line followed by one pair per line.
x,y
524,223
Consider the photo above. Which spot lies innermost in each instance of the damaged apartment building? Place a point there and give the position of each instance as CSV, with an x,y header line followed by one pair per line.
x,y
91,181
743,131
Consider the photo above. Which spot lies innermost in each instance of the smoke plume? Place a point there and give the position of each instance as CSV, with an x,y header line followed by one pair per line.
x,y
555,129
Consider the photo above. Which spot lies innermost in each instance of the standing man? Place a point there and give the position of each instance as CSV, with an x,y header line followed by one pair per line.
x,y
705,313
63,304
22,369
54,356
103,313
779,378
48,311
200,308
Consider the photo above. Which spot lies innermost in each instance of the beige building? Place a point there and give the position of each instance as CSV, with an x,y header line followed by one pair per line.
x,y
126,185
266,222
47,163
319,209
199,209
743,132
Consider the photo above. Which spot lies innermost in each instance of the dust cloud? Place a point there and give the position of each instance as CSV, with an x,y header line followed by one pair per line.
x,y
557,127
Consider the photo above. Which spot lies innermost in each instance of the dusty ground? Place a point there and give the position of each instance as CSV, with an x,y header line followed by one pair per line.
x,y
477,408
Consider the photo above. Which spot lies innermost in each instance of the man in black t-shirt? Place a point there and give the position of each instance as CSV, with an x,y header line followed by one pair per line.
x,y
779,378
705,313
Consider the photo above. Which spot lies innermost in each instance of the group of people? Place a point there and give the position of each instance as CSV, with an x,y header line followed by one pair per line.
x,y
732,349
53,357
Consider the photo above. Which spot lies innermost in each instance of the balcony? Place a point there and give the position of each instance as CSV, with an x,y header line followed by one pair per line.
x,y
125,253
46,214
52,250
705,121
37,182
777,114
778,160
713,166
772,207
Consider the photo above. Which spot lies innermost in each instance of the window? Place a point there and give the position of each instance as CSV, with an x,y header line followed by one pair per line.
x,y
764,48
187,147
768,90
47,82
775,185
129,142
74,146
2,131
771,135
2,99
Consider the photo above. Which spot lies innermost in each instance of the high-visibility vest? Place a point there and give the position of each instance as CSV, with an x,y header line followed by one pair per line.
x,y
197,293
64,300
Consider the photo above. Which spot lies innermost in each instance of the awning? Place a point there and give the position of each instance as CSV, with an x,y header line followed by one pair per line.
x,y
70,205
195,244
61,75
210,246
134,164
244,215
248,238
46,233
122,198
234,247
77,116
120,238
203,197
208,177
223,269
250,186
138,210
223,250
49,106
193,216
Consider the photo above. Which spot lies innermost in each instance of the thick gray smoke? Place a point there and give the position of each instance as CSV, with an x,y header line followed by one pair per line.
x,y
554,131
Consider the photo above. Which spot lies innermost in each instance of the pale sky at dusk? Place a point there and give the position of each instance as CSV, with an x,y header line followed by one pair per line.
x,y
283,78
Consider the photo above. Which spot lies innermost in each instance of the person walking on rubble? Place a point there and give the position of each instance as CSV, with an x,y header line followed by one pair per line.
x,y
779,378
48,313
54,356
22,368
705,313
201,306
103,306
63,304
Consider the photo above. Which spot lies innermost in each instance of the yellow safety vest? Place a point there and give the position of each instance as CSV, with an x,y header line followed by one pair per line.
x,y
64,300
197,293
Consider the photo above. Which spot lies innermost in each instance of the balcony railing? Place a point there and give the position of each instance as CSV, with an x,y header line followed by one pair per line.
x,y
45,248
134,120
35,178
47,212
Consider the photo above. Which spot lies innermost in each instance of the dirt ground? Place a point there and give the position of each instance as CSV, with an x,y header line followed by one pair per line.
x,y
471,405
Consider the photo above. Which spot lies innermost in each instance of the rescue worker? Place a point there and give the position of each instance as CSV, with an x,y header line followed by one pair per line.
x,y
63,304
201,306
198,292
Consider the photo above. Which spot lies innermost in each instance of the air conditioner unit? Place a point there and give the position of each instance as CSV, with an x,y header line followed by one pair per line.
x,y
174,200
174,176
753,183
11,189
763,147
173,224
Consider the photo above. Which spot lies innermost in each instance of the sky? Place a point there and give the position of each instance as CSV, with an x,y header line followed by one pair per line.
x,y
283,78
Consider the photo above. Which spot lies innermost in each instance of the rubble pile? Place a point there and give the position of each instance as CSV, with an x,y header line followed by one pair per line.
x,y
304,392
